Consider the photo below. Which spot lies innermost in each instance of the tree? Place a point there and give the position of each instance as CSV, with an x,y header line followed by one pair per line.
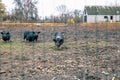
x,y
63,10
2,9
77,16
27,9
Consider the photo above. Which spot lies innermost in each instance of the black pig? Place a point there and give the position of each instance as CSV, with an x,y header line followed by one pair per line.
x,y
31,36
6,35
58,39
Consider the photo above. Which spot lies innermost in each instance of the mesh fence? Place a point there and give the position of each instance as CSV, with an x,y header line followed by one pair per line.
x,y
88,53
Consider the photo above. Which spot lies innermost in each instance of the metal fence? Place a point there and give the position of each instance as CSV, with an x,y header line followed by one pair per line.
x,y
88,53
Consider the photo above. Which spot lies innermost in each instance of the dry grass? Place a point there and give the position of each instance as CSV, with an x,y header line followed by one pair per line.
x,y
32,24
103,25
114,26
100,25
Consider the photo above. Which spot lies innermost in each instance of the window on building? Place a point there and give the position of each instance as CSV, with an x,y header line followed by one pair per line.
x,y
111,17
105,17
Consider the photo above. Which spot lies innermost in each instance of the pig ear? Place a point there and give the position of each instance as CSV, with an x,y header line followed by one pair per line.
x,y
54,40
1,32
39,32
8,33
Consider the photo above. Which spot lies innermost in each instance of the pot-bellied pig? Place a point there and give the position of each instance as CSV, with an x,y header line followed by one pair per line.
x,y
58,39
31,36
5,35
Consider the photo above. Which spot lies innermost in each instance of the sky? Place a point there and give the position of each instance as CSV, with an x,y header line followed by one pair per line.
x,y
48,7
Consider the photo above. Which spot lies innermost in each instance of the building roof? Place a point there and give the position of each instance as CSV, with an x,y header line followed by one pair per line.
x,y
102,10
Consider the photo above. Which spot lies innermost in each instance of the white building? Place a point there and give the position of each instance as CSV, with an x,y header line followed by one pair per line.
x,y
101,14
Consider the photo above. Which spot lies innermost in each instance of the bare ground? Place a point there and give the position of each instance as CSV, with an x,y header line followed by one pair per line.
x,y
87,54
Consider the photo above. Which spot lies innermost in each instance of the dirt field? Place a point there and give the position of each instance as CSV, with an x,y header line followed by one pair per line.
x,y
89,53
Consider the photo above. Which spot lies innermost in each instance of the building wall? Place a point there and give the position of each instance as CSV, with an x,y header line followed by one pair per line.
x,y
101,18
